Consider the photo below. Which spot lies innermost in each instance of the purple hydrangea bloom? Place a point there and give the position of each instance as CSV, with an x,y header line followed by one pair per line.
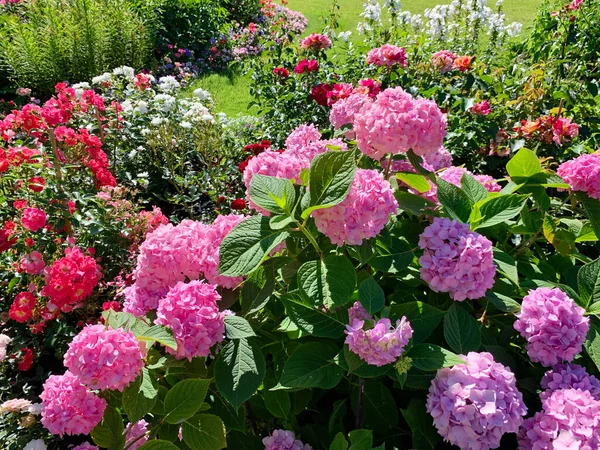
x,y
474,404
284,440
554,326
570,376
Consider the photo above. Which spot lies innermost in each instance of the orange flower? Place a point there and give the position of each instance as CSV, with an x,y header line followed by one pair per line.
x,y
463,63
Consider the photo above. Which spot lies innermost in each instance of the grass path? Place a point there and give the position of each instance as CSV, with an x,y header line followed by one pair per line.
x,y
232,96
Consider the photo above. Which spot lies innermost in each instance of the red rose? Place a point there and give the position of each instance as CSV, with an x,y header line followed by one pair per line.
x,y
238,204
26,360
281,72
319,93
36,184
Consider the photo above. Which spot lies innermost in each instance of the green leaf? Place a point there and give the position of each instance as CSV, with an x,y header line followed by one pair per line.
x,y
331,176
204,432
371,296
429,357
502,302
238,328
380,412
361,440
423,318
415,181
311,365
119,319
592,209
238,441
157,444
184,399
276,195
239,371
414,204
588,282
473,188
314,320
109,432
140,396
496,210
157,333
455,202
506,265
592,343
339,442
394,254
424,434
257,290
327,282
524,164
461,331
245,247
278,403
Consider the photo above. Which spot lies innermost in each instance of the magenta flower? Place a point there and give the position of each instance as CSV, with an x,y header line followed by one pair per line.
x,y
284,440
33,219
387,55
569,376
583,174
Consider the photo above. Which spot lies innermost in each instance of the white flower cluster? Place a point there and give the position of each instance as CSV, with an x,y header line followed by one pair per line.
x,y
372,14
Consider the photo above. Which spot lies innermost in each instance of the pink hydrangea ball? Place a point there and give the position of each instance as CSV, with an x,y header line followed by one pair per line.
x,y
305,143
554,326
363,213
381,345
456,260
86,446
136,435
583,174
68,407
343,112
454,175
357,311
104,358
33,219
474,404
284,440
387,55
396,123
191,311
441,159
569,376
302,137
570,420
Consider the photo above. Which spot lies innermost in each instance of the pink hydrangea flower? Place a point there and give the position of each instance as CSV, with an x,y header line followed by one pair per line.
x,y
357,311
554,326
191,311
381,345
396,122
104,358
33,219
68,407
284,440
315,42
387,55
474,404
583,174
454,175
441,159
305,143
301,137
456,260
135,433
343,112
443,60
569,376
33,263
281,165
363,213
570,420
86,446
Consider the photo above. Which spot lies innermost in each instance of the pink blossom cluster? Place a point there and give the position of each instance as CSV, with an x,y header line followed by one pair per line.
x,y
570,419
481,108
171,254
338,92
192,313
104,358
343,111
33,219
441,159
583,174
443,60
362,214
381,345
15,405
387,55
136,435
549,129
396,123
357,311
284,440
456,260
315,42
68,407
305,143
86,446
4,341
32,263
569,376
70,280
454,175
474,404
553,325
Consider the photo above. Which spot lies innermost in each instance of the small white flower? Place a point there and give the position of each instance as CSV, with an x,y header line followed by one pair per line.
x,y
127,106
168,84
132,154
202,94
344,36
142,107
185,125
82,85
36,444
102,78
35,409
156,121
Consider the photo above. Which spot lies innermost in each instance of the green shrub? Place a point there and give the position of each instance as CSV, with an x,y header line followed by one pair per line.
x,y
72,40
242,11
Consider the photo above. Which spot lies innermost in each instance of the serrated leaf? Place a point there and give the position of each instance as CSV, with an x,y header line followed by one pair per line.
x,y
257,290
414,204
278,403
496,210
140,396
109,432
204,432
313,320
424,434
502,302
430,357
461,331
311,366
415,181
157,333
524,164
592,343
394,254
455,202
328,282
371,296
423,318
237,328
592,209
588,283
473,188
157,444
506,265
119,319
184,399
276,195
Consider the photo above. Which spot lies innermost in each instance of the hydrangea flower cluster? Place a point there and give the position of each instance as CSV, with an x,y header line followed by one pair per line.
x,y
569,376
387,55
191,311
396,123
357,311
68,407
284,440
33,219
305,143
381,345
554,326
363,213
315,42
136,435
343,111
104,358
474,404
70,280
456,260
583,174
441,159
86,446
454,175
570,419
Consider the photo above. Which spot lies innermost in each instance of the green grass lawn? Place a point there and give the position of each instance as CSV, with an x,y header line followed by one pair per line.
x,y
232,96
